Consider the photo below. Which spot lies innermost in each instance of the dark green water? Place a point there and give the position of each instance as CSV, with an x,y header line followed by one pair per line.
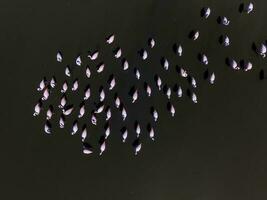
x,y
213,150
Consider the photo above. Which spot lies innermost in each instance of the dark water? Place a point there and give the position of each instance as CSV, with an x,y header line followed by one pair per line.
x,y
213,150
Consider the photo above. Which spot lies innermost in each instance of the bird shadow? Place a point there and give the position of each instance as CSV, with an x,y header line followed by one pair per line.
x,y
152,110
202,12
75,122
149,41
148,127
227,61
191,34
162,60
145,85
101,139
121,106
199,57
156,77
123,61
40,102
109,36
87,145
82,104
115,95
100,88
98,105
84,127
66,107
87,87
253,47
136,142
63,117
53,77
241,7
169,106
206,74
189,79
165,88
75,80
116,50
178,69
132,90
136,124
106,125
110,79
175,87
220,39
135,70
188,92
45,80
99,64
123,129
261,74
174,48
50,107
48,123
242,64
219,20
93,112
107,108
141,52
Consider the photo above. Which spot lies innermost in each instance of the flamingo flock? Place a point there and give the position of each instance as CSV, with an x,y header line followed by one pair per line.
x,y
66,108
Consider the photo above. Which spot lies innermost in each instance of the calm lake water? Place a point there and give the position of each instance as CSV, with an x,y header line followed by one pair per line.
x,y
215,149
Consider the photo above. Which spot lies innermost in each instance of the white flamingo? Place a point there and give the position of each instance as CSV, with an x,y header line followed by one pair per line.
x,y
78,61
67,71
94,55
74,128
53,82
81,111
37,109
152,134
84,134
59,56
102,148
144,54
212,78
118,53
180,92
87,93
108,114
179,50
68,111
47,127
125,65
249,8
75,85
49,112
151,43
137,129
137,148
88,72
64,87
42,84
46,94
61,121
100,68
124,135
166,64
206,12
110,39
135,96
63,102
